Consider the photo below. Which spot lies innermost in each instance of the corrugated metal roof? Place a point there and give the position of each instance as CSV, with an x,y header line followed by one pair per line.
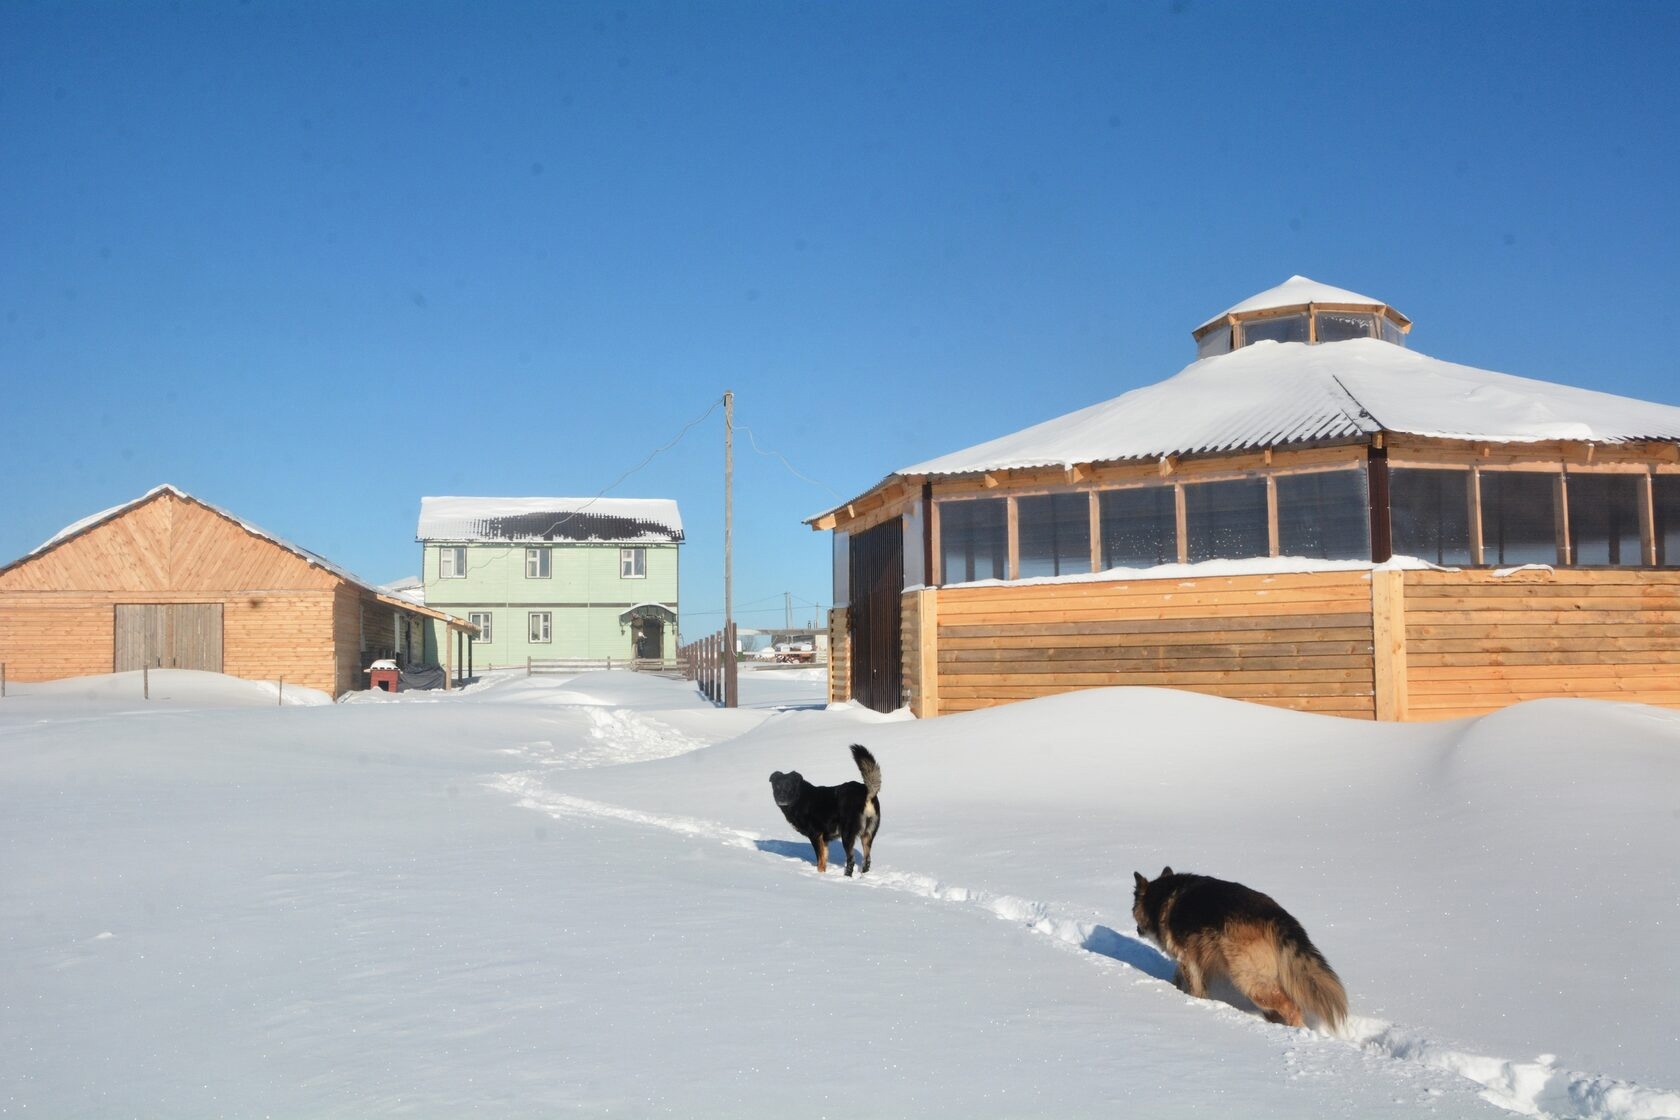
x,y
583,520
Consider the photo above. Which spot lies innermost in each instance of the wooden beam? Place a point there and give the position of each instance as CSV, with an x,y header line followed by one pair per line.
x,y
927,617
1648,521
1388,644
1271,515
1474,494
1183,532
1096,532
1168,464
1013,536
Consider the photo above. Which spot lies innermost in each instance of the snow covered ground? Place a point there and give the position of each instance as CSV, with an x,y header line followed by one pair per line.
x,y
551,896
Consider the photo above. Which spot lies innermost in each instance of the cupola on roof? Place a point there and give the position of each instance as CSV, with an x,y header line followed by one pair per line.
x,y
1300,310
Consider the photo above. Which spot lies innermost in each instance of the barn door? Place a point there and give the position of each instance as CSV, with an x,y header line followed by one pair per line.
x,y
169,636
877,569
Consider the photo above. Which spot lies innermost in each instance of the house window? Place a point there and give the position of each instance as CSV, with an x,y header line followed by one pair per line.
x,y
452,563
1665,520
1324,515
1429,515
542,623
1226,520
1334,326
1282,328
1053,534
1604,520
536,564
1138,526
973,540
1519,518
1217,341
481,619
632,563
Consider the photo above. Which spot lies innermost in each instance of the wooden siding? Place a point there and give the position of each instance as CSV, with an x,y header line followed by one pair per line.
x,y
167,544
910,649
169,636
43,641
1476,641
839,657
1295,641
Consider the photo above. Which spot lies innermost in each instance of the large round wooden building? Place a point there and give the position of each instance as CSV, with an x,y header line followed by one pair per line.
x,y
1310,515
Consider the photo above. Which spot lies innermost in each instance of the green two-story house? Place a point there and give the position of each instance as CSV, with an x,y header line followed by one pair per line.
x,y
553,578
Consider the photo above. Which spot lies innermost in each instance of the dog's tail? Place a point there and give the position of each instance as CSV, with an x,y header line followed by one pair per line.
x,y
1309,979
867,767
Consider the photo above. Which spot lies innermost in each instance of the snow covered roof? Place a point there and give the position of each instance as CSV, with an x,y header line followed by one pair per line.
x,y
313,558
1294,292
1280,393
593,520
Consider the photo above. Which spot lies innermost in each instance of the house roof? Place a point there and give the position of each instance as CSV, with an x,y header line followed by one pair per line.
x,y
315,559
1294,292
583,520
1275,394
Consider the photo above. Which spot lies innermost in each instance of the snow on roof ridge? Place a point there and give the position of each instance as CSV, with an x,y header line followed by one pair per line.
x,y
1292,292
597,519
1273,394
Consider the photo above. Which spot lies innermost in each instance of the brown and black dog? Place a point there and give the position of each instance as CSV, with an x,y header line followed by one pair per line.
x,y
844,812
1212,928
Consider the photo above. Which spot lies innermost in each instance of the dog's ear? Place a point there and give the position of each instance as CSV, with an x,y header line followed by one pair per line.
x,y
1165,871
1140,881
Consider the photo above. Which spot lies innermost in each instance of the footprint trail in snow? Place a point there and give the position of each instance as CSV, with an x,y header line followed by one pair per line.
x,y
1531,1088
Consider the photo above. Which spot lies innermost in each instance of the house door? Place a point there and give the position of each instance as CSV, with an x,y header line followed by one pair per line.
x,y
168,636
650,639
877,569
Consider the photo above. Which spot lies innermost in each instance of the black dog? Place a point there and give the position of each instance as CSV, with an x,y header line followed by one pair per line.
x,y
843,812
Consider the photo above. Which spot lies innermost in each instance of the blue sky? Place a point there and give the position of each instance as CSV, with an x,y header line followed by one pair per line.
x,y
311,262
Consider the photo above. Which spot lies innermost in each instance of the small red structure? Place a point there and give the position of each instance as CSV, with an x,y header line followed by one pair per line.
x,y
383,674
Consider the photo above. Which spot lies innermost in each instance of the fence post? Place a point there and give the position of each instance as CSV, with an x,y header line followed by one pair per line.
x,y
145,680
2,680
731,669
280,701
527,666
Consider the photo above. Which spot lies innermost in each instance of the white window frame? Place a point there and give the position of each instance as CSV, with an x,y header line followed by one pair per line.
x,y
630,559
452,562
540,559
485,621
540,627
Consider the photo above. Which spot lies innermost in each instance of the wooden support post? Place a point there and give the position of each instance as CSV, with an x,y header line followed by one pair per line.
x,y
1388,644
1475,498
1271,515
1096,534
927,651
1013,536
1183,524
448,657
1647,536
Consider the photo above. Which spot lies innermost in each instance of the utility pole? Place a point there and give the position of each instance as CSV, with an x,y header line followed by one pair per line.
x,y
787,609
731,682
728,509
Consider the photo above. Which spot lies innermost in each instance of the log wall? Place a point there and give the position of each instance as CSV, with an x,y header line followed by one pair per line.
x,y
839,657
1477,641
1302,641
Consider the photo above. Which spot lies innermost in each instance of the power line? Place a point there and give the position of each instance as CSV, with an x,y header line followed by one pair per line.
x,y
774,454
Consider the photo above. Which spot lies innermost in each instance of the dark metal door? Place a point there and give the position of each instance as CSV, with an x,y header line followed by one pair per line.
x,y
874,617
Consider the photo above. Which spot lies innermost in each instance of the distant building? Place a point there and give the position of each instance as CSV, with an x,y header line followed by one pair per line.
x,y
170,581
1222,530
551,578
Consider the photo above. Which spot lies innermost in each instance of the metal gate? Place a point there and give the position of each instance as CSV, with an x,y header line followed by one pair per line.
x,y
875,616
169,636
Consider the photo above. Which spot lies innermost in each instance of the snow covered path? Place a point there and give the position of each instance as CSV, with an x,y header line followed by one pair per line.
x,y
545,897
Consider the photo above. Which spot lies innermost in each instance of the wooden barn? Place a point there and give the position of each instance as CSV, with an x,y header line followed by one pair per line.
x,y
170,581
1311,515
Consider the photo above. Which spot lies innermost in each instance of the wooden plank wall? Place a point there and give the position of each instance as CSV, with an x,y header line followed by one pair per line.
x,y
910,646
1476,641
1300,641
839,657
44,641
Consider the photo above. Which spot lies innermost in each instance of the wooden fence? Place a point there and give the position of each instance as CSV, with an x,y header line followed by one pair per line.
x,y
669,666
711,663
